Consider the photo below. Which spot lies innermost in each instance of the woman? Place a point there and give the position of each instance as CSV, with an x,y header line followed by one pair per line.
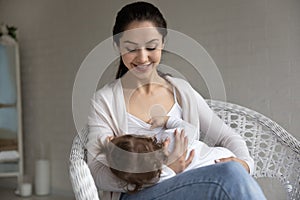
x,y
139,93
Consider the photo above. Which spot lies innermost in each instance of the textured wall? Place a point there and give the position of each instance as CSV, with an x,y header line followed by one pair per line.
x,y
255,44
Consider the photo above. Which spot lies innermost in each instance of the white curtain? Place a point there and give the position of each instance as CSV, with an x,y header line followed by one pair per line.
x,y
8,122
8,90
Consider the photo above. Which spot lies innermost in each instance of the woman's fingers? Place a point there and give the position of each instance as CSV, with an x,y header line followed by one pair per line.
x,y
190,158
177,158
224,159
166,142
166,145
177,136
245,165
181,143
186,142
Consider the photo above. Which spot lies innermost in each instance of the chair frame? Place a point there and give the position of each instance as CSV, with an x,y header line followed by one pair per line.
x,y
276,153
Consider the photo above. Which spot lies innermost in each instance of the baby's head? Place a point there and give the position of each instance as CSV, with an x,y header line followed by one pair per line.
x,y
135,159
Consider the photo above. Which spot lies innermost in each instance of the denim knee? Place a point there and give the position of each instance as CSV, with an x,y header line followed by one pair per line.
x,y
237,181
232,168
235,174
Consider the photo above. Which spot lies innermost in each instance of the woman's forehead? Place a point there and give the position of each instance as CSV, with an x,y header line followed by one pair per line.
x,y
141,36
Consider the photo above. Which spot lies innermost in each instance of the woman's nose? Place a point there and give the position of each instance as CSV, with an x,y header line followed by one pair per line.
x,y
142,56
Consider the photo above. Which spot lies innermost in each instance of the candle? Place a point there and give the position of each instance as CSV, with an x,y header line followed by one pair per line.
x,y
26,189
42,177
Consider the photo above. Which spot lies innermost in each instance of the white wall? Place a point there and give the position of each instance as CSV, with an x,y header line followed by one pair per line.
x,y
255,44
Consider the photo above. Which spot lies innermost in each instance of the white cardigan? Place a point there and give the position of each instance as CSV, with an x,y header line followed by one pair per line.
x,y
108,117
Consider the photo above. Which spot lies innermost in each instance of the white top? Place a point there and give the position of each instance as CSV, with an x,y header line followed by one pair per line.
x,y
139,127
108,117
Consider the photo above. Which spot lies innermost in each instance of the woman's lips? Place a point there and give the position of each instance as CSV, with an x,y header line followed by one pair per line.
x,y
142,68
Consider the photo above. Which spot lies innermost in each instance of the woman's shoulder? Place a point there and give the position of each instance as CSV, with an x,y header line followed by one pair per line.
x,y
108,89
184,87
179,82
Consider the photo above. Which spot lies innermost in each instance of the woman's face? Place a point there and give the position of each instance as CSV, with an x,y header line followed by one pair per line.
x,y
141,47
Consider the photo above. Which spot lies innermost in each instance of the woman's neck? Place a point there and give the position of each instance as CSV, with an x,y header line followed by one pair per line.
x,y
146,86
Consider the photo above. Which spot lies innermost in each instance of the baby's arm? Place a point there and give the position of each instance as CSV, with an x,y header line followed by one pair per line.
x,y
158,121
170,122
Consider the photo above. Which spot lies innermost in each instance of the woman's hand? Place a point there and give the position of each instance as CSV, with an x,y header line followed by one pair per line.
x,y
176,159
245,165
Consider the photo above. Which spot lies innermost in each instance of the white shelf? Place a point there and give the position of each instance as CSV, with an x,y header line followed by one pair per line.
x,y
13,168
9,174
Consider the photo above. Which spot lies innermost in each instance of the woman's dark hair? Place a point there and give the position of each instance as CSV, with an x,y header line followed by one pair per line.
x,y
138,11
121,163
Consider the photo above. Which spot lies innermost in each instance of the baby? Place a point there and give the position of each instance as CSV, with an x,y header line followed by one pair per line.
x,y
137,160
141,160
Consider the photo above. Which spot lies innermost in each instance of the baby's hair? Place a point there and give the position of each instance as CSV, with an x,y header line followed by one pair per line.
x,y
127,166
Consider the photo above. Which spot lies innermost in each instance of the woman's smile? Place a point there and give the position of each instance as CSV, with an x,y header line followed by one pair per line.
x,y
143,68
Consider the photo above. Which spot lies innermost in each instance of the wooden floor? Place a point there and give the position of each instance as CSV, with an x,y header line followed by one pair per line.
x,y
9,194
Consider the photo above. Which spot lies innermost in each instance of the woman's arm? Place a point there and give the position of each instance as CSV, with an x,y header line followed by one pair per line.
x,y
103,177
99,130
216,133
174,122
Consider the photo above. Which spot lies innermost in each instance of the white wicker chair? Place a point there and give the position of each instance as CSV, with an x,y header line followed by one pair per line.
x,y
81,178
276,153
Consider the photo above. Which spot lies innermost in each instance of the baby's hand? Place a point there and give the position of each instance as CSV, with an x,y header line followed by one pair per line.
x,y
158,121
109,138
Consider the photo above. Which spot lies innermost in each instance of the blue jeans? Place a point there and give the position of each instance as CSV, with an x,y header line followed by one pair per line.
x,y
226,181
